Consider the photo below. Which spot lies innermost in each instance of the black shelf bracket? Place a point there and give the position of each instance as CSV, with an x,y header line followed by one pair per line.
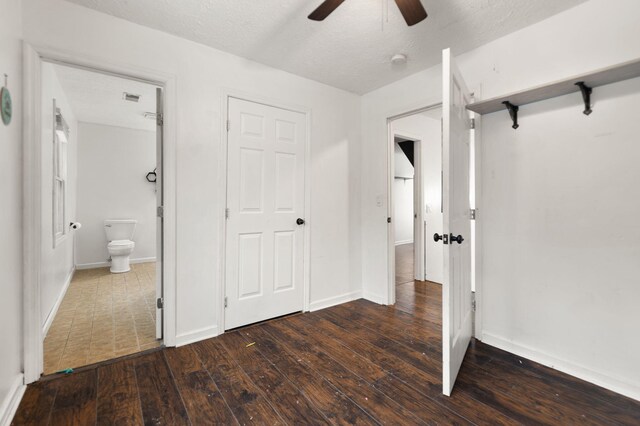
x,y
586,96
513,112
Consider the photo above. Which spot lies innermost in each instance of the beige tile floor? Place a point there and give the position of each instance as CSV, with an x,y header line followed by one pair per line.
x,y
103,316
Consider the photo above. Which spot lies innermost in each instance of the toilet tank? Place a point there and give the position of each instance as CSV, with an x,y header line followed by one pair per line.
x,y
120,229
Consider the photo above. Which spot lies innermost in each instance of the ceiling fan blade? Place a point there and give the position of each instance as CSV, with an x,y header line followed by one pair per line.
x,y
325,9
412,11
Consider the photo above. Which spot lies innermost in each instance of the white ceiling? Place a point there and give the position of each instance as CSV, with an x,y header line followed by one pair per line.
x,y
97,98
352,48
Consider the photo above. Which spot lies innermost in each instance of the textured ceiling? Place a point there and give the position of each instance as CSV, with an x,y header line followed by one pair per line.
x,y
97,98
352,48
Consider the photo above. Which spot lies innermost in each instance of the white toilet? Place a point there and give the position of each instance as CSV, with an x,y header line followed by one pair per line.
x,y
121,245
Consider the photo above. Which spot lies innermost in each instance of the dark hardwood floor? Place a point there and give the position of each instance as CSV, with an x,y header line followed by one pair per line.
x,y
357,363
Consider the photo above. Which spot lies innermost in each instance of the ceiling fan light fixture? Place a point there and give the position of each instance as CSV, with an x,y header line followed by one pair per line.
x,y
412,10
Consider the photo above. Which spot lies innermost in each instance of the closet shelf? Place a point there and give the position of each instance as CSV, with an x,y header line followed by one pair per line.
x,y
620,72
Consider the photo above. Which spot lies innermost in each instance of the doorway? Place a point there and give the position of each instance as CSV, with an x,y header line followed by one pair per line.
x,y
266,229
416,196
52,255
101,273
406,189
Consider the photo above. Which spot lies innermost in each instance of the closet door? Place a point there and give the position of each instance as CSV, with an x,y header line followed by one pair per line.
x,y
265,213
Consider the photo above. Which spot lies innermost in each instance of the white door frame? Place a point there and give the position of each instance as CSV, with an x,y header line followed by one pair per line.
x,y
33,56
476,225
391,235
391,256
222,178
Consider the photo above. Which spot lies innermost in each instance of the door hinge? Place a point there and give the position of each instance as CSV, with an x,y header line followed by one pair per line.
x,y
228,125
160,211
160,119
472,214
226,213
473,123
160,302
473,305
226,302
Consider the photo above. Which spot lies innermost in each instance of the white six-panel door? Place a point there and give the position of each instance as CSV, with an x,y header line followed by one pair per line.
x,y
265,199
456,290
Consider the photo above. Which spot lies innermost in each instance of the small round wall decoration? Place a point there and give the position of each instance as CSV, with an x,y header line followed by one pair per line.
x,y
6,106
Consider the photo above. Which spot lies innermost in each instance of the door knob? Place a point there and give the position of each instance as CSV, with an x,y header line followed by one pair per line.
x,y
300,221
457,239
437,237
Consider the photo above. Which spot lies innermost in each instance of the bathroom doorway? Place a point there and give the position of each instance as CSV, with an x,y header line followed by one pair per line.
x,y
101,292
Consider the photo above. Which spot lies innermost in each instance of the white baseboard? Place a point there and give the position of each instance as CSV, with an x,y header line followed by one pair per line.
x,y
335,300
197,335
56,306
375,298
589,375
105,264
10,404
399,243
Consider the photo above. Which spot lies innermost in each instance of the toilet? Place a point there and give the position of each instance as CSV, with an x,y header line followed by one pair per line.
x,y
121,245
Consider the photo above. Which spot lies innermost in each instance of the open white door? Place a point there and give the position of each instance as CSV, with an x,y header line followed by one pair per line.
x,y
456,290
159,220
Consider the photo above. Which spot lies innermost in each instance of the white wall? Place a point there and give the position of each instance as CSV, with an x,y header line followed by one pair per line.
x,y
427,129
11,214
403,210
57,262
112,165
202,74
574,312
403,198
562,236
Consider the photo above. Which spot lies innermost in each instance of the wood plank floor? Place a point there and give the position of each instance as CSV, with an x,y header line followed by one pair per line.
x,y
357,363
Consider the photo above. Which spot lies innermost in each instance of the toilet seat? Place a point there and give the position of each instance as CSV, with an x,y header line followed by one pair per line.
x,y
121,244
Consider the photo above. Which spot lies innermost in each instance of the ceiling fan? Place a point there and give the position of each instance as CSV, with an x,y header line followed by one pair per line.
x,y
412,10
